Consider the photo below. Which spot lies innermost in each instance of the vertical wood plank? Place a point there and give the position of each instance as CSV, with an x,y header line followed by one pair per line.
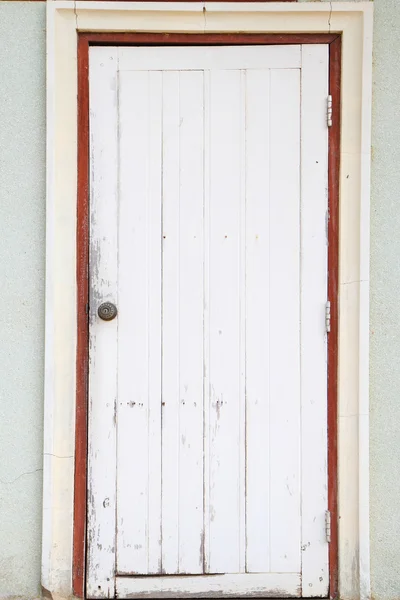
x,y
191,125
225,172
284,431
154,251
242,324
206,326
183,322
170,320
139,356
103,335
314,256
133,375
257,321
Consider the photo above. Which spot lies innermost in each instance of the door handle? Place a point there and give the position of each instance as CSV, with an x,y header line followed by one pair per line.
x,y
107,311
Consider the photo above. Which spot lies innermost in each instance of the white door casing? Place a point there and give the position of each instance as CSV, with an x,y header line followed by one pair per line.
x,y
208,392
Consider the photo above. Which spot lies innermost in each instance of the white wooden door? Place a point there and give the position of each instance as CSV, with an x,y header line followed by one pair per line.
x,y
207,471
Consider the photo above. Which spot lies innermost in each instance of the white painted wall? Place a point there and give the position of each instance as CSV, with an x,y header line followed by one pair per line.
x,y
22,212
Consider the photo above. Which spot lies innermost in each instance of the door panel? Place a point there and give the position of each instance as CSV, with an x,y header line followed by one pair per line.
x,y
182,355
225,509
139,325
208,58
258,145
256,585
314,250
207,414
284,322
103,341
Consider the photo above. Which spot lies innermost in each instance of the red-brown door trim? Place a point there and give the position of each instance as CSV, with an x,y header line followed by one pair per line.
x,y
155,39
335,65
82,353
169,0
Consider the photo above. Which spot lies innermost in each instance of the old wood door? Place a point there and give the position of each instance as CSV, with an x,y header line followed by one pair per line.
x,y
207,472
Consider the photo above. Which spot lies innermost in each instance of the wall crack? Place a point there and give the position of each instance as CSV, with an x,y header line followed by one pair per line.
x,y
56,455
19,476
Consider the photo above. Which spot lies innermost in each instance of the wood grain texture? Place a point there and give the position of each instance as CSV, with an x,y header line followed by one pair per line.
x,y
182,477
314,295
258,555
183,183
170,0
207,58
191,219
103,335
335,63
207,39
244,585
284,335
82,350
139,332
226,386
206,326
171,323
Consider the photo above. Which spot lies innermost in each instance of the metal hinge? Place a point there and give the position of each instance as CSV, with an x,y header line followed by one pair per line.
x,y
329,111
328,316
87,308
328,526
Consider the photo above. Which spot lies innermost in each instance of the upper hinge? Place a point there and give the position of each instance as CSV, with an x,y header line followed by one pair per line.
x,y
329,111
328,526
328,316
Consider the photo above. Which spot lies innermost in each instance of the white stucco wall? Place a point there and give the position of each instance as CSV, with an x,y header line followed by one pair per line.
x,y
22,218
22,250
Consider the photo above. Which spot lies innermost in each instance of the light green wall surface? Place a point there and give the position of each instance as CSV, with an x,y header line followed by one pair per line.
x,y
22,225
385,305
22,251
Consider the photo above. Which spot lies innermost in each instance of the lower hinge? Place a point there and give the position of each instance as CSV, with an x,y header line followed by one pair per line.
x,y
328,526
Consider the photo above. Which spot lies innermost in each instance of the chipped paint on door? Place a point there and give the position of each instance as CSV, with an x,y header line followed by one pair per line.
x,y
208,391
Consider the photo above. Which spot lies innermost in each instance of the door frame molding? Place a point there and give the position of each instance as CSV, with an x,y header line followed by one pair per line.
x,y
71,28
85,41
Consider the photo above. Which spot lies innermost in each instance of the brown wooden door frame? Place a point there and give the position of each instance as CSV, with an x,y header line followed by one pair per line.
x,y
81,432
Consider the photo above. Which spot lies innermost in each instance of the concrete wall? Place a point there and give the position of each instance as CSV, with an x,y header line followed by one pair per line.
x,y
22,251
22,212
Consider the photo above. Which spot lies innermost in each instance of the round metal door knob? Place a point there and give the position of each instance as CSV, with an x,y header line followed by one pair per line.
x,y
107,311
